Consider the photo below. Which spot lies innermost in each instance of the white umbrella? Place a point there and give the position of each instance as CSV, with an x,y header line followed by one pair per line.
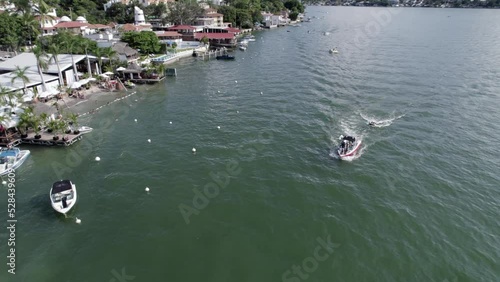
x,y
92,79
83,81
121,69
75,85
108,73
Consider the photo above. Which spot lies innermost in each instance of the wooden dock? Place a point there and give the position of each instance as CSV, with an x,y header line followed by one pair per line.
x,y
47,140
210,54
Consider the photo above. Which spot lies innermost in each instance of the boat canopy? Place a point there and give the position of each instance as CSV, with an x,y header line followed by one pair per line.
x,y
60,186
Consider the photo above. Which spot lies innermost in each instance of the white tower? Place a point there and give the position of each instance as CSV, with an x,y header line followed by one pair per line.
x,y
139,16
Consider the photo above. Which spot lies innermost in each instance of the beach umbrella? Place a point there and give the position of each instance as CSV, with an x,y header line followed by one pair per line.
x,y
121,69
92,79
83,81
75,85
108,73
103,75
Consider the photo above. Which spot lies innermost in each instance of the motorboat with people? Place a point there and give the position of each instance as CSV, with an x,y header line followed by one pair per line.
x,y
225,57
12,159
63,196
348,146
333,51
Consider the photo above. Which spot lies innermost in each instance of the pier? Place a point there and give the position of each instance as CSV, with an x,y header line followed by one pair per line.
x,y
47,139
210,54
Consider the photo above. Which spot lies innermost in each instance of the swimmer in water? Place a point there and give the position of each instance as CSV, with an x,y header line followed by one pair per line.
x,y
372,123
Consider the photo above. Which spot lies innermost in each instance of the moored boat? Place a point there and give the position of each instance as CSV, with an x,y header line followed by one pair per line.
x,y
225,57
348,146
242,48
12,159
63,196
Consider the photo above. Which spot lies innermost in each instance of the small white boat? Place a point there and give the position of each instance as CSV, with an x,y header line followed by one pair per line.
x,y
333,51
85,129
243,48
12,159
348,146
63,196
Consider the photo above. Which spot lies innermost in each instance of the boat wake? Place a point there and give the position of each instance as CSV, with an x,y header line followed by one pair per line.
x,y
376,122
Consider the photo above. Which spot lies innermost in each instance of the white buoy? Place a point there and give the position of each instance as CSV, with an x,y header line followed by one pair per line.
x,y
78,221
194,150
4,182
237,112
236,81
147,189
218,91
218,127
170,122
135,120
149,140
136,100
261,93
97,159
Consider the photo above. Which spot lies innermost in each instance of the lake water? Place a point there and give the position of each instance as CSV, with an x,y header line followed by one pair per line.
x,y
264,194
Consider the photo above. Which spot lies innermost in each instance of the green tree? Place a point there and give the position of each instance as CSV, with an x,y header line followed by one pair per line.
x,y
229,13
120,13
9,31
41,59
145,41
20,73
294,6
184,12
54,51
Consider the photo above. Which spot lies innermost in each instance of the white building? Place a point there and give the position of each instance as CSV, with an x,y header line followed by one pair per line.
x,y
139,16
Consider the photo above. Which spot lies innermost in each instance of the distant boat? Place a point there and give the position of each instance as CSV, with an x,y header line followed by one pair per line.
x,y
63,196
12,159
243,48
333,51
225,57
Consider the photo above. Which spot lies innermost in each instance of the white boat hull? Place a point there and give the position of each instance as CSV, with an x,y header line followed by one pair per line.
x,y
351,152
58,206
85,129
23,155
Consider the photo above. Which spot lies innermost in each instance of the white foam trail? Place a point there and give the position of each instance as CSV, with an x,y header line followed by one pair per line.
x,y
382,122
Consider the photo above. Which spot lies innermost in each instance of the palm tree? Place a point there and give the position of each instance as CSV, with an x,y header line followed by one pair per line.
x,y
54,126
110,53
69,46
43,10
30,26
73,121
86,45
20,73
99,53
55,50
41,59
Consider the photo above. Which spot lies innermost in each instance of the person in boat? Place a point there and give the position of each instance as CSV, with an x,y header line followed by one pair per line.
x,y
351,139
